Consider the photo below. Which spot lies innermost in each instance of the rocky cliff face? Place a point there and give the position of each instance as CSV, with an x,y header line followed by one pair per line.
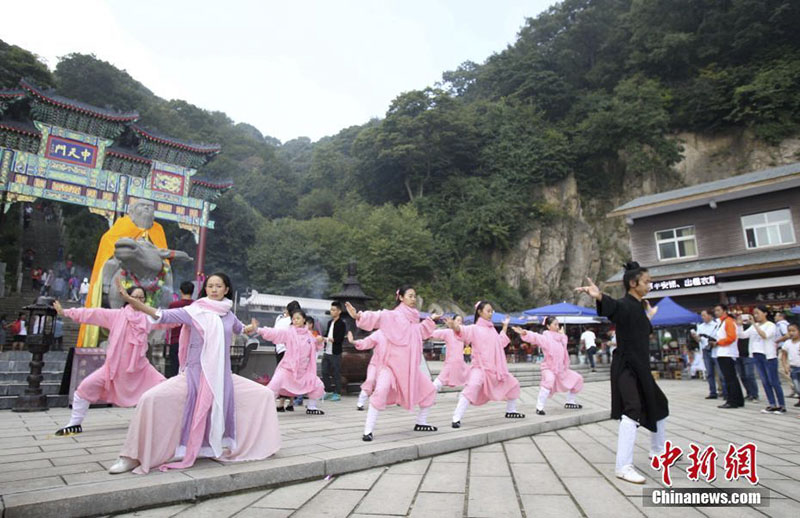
x,y
576,240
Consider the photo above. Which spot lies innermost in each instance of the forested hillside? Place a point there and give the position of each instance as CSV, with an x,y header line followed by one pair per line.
x,y
532,146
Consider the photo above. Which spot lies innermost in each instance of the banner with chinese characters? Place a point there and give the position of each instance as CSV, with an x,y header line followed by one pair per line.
x,y
72,151
686,282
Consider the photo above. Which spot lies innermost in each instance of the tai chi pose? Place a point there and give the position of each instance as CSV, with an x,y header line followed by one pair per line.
x,y
636,399
296,374
205,411
556,374
455,371
489,379
400,380
126,373
379,345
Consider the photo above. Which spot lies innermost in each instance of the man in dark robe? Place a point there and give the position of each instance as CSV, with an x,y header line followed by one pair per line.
x,y
636,399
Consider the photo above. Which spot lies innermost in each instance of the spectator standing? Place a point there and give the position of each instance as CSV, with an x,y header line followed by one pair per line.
x,y
589,342
744,363
174,334
763,350
83,291
332,356
727,352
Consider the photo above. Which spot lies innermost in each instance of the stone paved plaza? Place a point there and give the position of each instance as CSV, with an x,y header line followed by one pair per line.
x,y
489,468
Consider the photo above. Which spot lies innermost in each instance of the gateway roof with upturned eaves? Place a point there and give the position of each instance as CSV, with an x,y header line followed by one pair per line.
x,y
133,143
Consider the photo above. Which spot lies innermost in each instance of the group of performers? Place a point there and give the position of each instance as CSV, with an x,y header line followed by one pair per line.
x,y
206,411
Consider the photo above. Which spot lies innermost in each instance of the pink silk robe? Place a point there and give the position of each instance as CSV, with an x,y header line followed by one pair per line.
x,y
556,374
455,371
489,379
126,373
400,380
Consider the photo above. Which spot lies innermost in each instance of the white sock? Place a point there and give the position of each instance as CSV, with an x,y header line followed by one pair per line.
x,y
79,408
422,415
626,440
461,407
571,398
658,438
438,384
511,405
362,398
312,404
372,417
543,393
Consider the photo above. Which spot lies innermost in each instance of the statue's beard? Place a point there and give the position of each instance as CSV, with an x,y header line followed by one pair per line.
x,y
143,222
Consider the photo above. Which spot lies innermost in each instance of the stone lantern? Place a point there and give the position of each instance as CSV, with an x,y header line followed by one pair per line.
x,y
354,362
41,328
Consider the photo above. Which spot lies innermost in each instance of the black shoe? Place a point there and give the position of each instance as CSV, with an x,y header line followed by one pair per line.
x,y
290,408
594,370
769,409
779,410
797,404
424,428
539,412
728,405
457,424
280,409
69,430
360,408
514,415
711,397
367,438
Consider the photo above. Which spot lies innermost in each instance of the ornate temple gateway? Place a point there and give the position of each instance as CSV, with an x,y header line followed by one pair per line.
x,y
67,151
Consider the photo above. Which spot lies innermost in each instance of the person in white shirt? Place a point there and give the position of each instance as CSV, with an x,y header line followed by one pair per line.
x,y
284,322
705,336
589,341
764,351
790,349
782,335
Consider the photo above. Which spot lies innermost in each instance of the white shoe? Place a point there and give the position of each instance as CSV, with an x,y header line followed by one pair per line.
x,y
123,465
629,474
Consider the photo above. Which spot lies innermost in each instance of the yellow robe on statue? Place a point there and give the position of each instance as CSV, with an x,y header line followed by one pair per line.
x,y
123,227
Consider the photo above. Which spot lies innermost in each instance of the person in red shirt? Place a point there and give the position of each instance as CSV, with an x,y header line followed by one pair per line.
x,y
172,367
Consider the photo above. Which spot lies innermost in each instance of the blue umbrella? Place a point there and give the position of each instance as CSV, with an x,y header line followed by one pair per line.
x,y
795,310
670,313
497,319
563,309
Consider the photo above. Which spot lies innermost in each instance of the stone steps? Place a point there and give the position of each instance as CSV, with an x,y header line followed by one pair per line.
x,y
53,401
14,370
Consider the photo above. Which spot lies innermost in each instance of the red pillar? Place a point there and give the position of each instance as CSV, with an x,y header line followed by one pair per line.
x,y
201,254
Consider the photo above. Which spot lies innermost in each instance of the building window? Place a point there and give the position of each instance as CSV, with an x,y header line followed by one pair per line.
x,y
768,229
676,243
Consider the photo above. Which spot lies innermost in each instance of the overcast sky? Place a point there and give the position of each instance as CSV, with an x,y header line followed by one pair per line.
x,y
302,68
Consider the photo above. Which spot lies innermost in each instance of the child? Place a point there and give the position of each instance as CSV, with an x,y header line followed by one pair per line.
x,y
790,349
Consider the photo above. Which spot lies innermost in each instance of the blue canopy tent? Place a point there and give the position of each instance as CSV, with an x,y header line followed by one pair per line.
x,y
670,313
497,319
562,309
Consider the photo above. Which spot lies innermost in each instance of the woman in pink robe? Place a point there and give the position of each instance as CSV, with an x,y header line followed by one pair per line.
x,y
126,373
489,379
204,411
556,374
400,380
379,345
296,374
455,371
